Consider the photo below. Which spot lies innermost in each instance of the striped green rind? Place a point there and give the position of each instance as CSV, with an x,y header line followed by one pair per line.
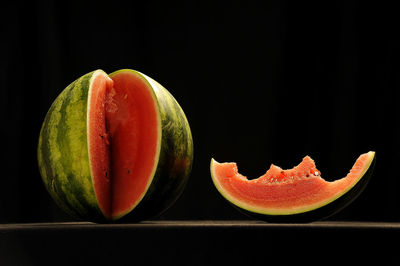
x,y
63,151
175,158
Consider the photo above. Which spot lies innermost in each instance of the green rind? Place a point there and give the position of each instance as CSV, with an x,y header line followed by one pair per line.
x,y
63,152
175,159
309,215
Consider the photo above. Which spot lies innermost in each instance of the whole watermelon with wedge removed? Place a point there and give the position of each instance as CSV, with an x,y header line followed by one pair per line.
x,y
294,195
115,146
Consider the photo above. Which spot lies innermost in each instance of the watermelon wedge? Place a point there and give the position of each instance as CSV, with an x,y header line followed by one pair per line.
x,y
299,193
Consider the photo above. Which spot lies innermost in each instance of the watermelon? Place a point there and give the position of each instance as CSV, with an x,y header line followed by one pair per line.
x,y
298,194
115,146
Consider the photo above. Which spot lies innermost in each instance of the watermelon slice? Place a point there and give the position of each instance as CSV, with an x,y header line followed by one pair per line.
x,y
300,191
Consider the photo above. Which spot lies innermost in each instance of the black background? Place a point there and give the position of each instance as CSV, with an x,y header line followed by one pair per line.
x,y
259,83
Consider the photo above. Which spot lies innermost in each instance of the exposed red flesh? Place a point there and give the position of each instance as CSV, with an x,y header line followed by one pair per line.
x,y
99,150
124,137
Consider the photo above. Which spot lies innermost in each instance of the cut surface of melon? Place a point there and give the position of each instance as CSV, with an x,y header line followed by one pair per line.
x,y
124,136
284,192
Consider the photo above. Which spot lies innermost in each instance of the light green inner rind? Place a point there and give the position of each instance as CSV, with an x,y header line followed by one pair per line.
x,y
283,211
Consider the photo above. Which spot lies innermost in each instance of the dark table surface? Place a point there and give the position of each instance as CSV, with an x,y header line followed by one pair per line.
x,y
199,243
199,225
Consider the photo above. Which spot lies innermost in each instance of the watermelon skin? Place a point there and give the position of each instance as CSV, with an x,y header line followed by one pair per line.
x,y
63,155
63,151
320,213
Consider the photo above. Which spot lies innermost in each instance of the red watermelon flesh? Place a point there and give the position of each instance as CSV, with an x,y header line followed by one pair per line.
x,y
124,140
283,192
